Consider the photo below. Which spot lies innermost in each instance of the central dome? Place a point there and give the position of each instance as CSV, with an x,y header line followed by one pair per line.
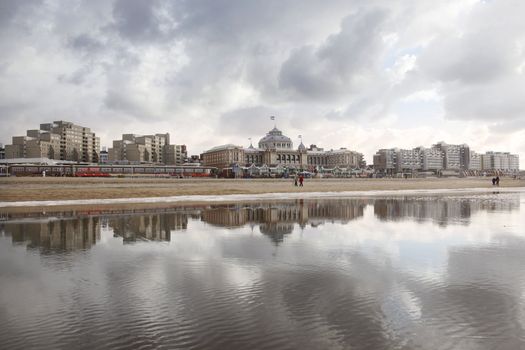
x,y
275,139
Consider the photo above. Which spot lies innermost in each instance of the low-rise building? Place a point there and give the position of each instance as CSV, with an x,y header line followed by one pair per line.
x,y
224,156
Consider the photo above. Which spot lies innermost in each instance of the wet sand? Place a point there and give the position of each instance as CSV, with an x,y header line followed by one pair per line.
x,y
51,189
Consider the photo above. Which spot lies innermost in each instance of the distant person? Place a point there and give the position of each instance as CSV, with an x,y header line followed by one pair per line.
x,y
295,179
497,180
301,180
493,181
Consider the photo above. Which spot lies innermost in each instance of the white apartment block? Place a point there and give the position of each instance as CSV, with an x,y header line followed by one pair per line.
x,y
408,160
431,159
455,157
475,161
502,161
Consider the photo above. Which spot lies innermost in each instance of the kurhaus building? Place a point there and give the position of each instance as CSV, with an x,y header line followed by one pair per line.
x,y
276,150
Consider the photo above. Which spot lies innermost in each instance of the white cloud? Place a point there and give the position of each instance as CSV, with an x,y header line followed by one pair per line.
x,y
349,74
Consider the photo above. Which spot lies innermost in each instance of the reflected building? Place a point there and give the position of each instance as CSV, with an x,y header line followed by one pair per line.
x,y
278,220
71,234
441,210
147,227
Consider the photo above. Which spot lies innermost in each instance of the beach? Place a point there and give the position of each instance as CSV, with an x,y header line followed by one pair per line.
x,y
18,189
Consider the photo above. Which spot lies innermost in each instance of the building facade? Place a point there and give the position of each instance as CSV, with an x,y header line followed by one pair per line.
x,y
443,157
60,140
276,150
500,161
138,149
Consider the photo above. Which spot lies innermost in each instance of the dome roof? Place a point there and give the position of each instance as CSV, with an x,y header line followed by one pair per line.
x,y
275,139
302,147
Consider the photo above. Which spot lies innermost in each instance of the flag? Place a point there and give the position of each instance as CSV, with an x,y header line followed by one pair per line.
x,y
272,117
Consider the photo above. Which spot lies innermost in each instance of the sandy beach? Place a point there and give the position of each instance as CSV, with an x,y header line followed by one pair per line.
x,y
48,189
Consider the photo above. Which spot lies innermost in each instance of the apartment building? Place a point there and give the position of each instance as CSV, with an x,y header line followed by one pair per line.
x,y
455,157
175,154
501,161
408,160
60,140
442,156
475,161
155,149
385,160
431,159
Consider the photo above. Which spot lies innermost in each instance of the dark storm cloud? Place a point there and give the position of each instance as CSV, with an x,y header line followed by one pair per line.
x,y
10,8
339,65
222,63
85,43
138,20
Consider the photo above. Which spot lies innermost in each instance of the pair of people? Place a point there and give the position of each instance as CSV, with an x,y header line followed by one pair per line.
x,y
299,178
495,181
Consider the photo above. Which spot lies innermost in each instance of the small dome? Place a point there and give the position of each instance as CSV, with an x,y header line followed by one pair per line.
x,y
275,139
301,148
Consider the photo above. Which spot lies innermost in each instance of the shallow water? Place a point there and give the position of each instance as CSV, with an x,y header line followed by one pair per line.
x,y
372,273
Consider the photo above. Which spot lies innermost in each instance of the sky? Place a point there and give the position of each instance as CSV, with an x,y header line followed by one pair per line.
x,y
359,74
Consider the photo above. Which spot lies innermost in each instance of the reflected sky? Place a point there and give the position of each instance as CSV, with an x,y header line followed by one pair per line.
x,y
410,273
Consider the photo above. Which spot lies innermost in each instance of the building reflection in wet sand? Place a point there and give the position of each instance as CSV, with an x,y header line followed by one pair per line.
x,y
442,211
276,220
412,275
53,234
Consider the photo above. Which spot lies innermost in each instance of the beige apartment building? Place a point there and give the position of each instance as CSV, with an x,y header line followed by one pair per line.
x,y
60,140
155,149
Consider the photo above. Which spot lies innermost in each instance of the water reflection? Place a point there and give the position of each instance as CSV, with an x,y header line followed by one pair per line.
x,y
276,220
53,234
441,210
412,273
147,227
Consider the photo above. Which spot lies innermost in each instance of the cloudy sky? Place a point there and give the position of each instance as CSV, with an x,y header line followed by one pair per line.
x,y
358,74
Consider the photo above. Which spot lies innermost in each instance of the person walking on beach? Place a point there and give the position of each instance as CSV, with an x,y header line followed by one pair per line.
x,y
497,180
301,180
493,181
